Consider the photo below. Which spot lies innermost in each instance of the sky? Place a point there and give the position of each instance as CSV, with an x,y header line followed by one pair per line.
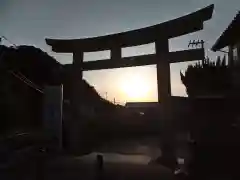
x,y
29,22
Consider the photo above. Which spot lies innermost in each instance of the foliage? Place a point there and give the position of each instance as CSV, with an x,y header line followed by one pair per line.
x,y
211,119
211,78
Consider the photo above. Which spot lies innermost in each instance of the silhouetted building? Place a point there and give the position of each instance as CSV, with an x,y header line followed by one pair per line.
x,y
230,38
142,104
144,108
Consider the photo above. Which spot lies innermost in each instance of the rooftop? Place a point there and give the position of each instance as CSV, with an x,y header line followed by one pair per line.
x,y
230,36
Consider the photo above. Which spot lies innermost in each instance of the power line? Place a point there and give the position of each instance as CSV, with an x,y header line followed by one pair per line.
x,y
5,38
26,81
21,77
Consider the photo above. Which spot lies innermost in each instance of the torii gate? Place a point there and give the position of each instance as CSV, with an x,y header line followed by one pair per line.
x,y
160,34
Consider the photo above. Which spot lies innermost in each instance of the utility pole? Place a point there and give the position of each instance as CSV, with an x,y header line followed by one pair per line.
x,y
1,53
1,40
196,44
106,95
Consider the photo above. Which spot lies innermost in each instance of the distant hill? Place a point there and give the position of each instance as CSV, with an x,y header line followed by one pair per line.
x,y
32,62
20,103
90,95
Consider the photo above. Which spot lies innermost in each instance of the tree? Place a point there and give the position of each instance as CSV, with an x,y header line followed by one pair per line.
x,y
211,119
211,78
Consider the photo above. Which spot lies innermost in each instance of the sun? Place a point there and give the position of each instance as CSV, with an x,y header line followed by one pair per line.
x,y
135,87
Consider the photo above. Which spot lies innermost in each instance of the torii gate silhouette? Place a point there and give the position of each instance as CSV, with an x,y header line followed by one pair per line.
x,y
160,34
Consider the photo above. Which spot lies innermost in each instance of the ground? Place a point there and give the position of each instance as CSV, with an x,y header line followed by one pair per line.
x,y
71,168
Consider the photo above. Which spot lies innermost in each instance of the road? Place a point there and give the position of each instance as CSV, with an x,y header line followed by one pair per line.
x,y
71,168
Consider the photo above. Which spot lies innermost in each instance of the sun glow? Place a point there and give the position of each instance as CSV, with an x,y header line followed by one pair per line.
x,y
135,87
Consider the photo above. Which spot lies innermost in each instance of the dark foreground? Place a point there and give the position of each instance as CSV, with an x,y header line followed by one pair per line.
x,y
74,168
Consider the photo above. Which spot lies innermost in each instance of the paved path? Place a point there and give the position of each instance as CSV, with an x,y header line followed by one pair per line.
x,y
73,168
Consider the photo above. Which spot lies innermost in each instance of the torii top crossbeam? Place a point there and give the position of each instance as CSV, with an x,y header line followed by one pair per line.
x,y
170,29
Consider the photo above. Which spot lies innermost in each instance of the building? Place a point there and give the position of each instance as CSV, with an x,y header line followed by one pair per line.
x,y
142,106
230,38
